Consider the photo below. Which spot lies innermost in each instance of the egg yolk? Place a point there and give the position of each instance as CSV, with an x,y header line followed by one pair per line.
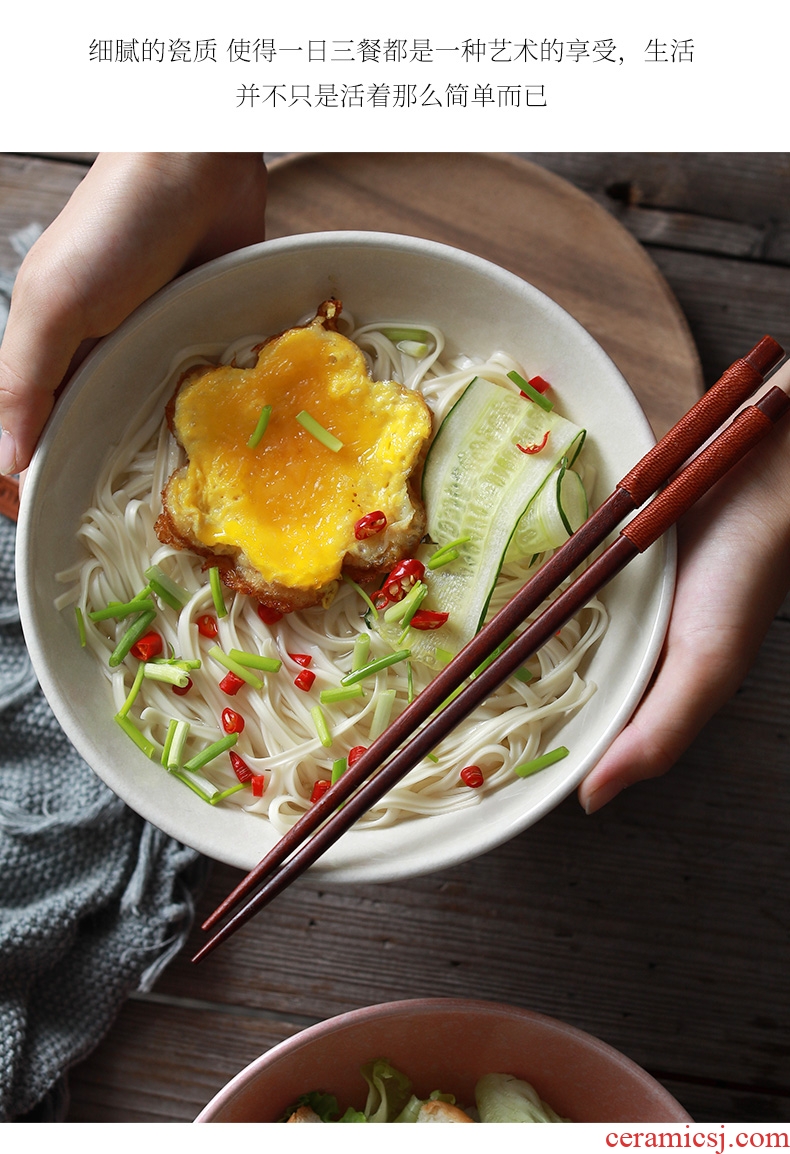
x,y
291,503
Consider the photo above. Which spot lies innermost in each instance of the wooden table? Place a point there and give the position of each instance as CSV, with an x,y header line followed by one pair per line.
x,y
660,924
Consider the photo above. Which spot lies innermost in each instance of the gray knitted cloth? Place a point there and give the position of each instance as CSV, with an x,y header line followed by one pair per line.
x,y
94,902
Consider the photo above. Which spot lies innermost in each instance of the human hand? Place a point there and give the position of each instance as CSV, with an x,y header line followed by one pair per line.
x,y
733,573
135,222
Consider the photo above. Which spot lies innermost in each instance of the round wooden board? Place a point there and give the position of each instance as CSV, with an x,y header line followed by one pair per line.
x,y
524,219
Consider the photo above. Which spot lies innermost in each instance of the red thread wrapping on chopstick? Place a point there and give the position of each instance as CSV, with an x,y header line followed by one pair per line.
x,y
736,385
696,478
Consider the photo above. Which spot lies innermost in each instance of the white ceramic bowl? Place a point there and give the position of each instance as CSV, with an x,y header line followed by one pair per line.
x,y
265,289
448,1044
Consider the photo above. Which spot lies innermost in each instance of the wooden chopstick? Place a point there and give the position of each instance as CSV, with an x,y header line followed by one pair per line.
x,y
735,386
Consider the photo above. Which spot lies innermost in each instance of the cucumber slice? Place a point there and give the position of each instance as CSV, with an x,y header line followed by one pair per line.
x,y
557,511
477,484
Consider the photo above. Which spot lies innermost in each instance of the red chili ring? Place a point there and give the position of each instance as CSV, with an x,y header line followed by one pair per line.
x,y
232,722
267,615
304,659
428,619
207,625
231,683
319,789
148,646
240,767
304,680
472,776
370,525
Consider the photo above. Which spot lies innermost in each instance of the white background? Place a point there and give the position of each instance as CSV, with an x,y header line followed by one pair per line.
x,y
731,96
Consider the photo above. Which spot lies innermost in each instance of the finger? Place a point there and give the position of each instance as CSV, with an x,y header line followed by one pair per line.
x,y
714,636
673,711
35,356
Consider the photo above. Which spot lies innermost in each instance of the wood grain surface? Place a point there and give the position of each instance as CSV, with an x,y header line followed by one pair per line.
x,y
659,924
523,218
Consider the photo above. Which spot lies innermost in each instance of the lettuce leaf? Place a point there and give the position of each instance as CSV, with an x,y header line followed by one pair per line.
x,y
388,1092
352,1115
503,1098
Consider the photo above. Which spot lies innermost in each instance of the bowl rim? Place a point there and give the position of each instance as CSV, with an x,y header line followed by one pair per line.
x,y
423,1008
372,869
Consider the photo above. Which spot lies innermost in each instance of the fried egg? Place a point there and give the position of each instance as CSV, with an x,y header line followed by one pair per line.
x,y
280,515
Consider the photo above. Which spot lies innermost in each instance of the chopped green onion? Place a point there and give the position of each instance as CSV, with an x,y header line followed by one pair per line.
x,y
171,730
405,333
227,793
538,763
443,656
411,610
443,557
412,348
340,693
166,588
446,553
432,757
216,591
523,675
410,694
80,626
456,541
193,785
321,727
374,667
211,751
138,681
408,605
361,651
185,663
533,394
165,672
361,592
255,660
319,432
339,767
175,753
404,610
382,713
139,739
119,609
135,631
260,428
235,667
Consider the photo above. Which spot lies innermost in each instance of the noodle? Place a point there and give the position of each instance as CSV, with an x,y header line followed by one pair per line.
x,y
279,740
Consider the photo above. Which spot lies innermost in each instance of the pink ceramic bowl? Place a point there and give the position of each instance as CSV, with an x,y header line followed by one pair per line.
x,y
447,1044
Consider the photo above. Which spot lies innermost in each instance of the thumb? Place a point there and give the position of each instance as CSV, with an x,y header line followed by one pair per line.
x,y
672,712
699,671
